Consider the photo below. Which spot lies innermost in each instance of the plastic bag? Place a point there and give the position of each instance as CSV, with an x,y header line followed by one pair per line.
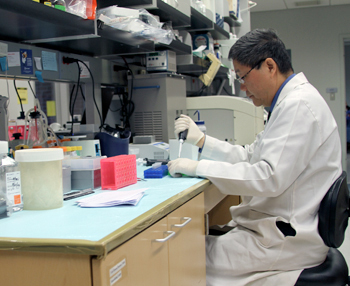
x,y
146,25
82,8
77,7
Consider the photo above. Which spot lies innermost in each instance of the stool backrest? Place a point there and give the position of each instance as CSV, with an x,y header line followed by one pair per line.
x,y
334,213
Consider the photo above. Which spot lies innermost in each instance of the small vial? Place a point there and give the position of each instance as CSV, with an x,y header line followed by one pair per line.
x,y
10,178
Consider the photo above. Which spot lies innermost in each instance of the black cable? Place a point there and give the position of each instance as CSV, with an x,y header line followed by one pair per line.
x,y
199,93
129,104
76,93
82,93
31,89
93,93
22,116
229,93
70,100
73,103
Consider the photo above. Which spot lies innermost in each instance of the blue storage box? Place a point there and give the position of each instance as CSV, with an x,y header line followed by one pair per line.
x,y
156,173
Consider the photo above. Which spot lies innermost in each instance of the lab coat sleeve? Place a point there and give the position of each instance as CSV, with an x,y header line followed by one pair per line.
x,y
223,151
283,152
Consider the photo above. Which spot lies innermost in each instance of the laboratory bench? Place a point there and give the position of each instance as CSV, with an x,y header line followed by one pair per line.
x,y
160,241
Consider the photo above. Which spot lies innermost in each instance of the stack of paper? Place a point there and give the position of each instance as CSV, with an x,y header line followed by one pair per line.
x,y
112,198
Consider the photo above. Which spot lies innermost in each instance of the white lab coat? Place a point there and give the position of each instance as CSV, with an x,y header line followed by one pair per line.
x,y
282,176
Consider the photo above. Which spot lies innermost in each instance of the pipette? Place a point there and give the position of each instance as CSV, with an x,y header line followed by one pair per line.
x,y
182,138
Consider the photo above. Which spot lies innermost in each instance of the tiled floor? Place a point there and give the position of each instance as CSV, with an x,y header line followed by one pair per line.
x,y
345,247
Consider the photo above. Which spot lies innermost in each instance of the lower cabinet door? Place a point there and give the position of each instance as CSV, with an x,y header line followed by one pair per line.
x,y
143,260
187,247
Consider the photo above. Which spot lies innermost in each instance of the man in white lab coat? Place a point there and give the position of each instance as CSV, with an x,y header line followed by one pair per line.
x,y
281,177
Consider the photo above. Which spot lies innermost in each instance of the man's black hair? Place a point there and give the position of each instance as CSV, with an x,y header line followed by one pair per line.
x,y
260,44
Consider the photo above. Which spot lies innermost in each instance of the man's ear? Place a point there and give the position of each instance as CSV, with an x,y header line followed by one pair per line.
x,y
271,64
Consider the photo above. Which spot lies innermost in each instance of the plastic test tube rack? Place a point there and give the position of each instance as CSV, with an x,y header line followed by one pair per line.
x,y
156,173
118,172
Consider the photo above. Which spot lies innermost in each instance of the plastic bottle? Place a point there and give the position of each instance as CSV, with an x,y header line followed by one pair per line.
x,y
217,51
200,123
59,4
10,178
41,175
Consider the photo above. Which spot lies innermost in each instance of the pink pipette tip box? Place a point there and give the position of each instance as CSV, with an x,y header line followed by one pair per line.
x,y
118,172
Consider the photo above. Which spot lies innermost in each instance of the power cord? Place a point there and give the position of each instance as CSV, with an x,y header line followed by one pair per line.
x,y
68,60
22,114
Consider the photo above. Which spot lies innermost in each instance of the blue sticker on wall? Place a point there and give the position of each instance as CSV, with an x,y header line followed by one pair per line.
x,y
26,61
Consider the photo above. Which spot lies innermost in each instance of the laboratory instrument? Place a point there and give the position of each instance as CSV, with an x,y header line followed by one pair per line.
x,y
10,179
182,138
150,162
38,128
41,178
161,61
89,147
158,99
155,150
242,120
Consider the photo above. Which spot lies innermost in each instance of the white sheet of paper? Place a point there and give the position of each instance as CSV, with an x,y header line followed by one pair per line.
x,y
113,198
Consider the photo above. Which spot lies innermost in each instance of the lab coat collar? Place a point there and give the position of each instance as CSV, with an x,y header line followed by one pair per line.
x,y
292,84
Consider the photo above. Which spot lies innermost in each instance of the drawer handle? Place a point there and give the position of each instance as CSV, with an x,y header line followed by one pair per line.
x,y
171,234
188,219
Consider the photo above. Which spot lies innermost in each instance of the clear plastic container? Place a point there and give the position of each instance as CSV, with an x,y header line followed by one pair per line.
x,y
41,177
87,163
10,179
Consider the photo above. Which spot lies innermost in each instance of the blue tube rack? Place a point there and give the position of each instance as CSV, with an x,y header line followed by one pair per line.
x,y
156,173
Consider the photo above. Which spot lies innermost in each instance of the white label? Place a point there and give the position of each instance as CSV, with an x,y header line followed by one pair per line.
x,y
13,187
115,278
117,267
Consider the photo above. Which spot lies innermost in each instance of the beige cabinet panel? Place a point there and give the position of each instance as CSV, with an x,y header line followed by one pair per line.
x,y
140,261
43,269
187,247
170,252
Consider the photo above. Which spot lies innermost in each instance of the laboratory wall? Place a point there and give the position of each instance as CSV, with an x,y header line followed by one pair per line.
x,y
347,71
315,37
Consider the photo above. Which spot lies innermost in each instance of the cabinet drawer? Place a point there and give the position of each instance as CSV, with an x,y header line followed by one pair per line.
x,y
187,247
139,261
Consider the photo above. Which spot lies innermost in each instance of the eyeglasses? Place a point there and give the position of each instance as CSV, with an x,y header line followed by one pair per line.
x,y
241,79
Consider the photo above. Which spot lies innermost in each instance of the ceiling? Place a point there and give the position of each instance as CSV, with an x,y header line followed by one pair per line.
x,y
269,5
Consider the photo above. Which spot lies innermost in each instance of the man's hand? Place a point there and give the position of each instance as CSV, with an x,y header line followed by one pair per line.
x,y
182,166
183,123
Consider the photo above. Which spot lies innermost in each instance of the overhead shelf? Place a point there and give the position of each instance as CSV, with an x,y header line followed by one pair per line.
x,y
200,23
26,21
166,12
